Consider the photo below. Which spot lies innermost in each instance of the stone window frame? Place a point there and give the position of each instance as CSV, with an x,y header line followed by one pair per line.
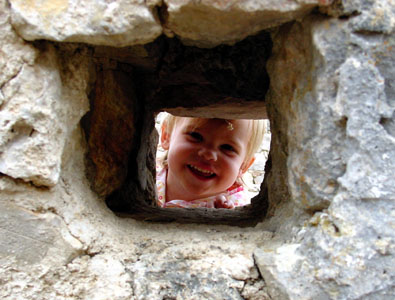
x,y
144,187
140,179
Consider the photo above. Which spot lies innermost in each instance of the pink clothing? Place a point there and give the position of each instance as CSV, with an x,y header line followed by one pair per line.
x,y
235,193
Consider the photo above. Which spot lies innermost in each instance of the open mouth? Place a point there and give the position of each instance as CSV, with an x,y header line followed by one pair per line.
x,y
201,172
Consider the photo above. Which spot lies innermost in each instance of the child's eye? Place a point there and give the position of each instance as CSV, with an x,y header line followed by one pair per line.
x,y
195,135
228,147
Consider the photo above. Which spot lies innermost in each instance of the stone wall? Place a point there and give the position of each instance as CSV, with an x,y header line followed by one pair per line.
x,y
327,231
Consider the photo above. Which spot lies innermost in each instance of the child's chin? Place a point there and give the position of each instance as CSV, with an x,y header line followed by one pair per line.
x,y
199,193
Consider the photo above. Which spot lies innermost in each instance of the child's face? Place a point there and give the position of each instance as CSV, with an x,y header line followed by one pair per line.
x,y
204,160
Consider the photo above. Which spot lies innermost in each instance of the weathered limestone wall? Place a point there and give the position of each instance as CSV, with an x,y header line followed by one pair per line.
x,y
329,232
337,110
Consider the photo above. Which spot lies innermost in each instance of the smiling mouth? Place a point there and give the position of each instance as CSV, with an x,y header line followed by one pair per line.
x,y
201,172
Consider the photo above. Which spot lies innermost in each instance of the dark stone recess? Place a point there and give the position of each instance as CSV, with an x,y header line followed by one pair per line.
x,y
134,83
190,76
112,126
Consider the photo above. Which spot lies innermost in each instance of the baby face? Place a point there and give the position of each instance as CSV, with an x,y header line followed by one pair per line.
x,y
204,160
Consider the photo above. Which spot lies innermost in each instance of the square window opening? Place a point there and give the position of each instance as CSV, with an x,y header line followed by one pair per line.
x,y
228,82
249,182
138,197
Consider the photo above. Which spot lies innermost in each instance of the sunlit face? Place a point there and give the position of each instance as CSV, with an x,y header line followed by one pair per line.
x,y
204,160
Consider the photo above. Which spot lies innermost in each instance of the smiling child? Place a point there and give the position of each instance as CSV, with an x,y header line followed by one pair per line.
x,y
205,161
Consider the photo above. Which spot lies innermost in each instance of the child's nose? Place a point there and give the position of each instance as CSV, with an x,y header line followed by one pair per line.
x,y
208,153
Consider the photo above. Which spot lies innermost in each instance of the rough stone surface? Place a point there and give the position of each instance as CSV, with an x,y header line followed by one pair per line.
x,y
340,158
125,23
320,133
115,23
210,23
14,52
35,115
33,238
114,113
329,233
163,274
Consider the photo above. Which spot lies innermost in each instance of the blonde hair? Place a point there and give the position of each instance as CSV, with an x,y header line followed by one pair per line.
x,y
257,131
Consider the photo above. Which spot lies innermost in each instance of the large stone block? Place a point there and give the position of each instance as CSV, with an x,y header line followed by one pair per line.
x,y
345,253
339,125
39,111
278,265
370,154
201,272
31,238
322,112
119,23
210,23
14,52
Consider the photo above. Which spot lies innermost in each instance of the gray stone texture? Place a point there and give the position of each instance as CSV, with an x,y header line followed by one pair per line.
x,y
34,238
115,23
338,119
210,23
329,232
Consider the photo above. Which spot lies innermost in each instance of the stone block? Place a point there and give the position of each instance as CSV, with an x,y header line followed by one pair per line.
x,y
118,23
37,115
278,266
210,23
14,51
202,272
35,238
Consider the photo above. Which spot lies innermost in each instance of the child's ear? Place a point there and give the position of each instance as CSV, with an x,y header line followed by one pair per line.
x,y
164,137
248,164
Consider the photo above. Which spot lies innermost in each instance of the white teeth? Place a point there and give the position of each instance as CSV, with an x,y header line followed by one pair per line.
x,y
201,170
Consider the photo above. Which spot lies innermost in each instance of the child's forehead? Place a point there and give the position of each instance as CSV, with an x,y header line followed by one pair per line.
x,y
200,122
197,122
224,125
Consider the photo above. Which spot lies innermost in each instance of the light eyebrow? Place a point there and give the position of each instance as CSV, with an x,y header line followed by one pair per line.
x,y
191,127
